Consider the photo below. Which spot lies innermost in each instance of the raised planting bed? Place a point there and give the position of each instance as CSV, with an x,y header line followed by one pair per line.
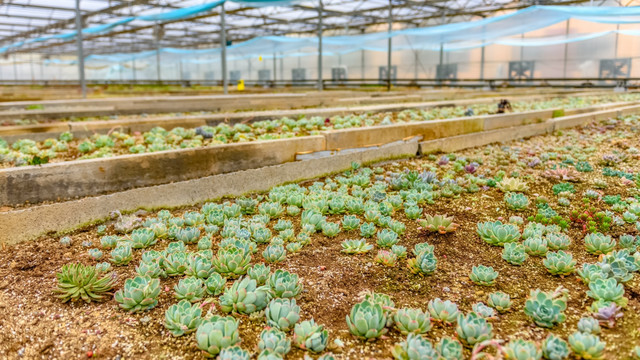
x,y
524,248
60,142
324,108
65,180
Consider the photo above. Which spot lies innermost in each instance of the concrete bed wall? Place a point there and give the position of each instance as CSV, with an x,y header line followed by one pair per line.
x,y
32,222
40,132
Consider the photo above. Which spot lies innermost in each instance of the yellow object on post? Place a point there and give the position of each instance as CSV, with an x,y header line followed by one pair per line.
x,y
240,85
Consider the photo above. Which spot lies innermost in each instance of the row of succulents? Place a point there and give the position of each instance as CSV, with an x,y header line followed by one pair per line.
x,y
222,253
66,147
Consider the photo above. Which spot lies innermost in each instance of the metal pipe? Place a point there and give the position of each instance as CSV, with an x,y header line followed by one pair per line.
x,y
320,11
158,35
223,45
274,70
566,51
83,82
389,48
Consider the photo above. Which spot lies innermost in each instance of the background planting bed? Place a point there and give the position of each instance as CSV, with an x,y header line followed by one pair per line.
x,y
32,222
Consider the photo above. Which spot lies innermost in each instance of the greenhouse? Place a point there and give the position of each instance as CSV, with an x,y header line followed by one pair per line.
x,y
319,180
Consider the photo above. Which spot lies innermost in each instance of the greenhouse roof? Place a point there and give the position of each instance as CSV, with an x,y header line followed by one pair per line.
x,y
44,26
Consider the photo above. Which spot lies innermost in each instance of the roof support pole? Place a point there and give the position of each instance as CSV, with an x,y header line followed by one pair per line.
x,y
389,48
320,11
566,51
158,31
83,82
223,46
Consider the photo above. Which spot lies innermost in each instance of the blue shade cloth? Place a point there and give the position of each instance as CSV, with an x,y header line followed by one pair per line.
x,y
501,30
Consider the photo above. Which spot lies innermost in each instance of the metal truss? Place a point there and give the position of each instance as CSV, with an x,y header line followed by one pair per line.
x,y
21,20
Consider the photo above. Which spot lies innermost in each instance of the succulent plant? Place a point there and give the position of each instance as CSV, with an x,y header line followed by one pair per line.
x,y
231,262
175,264
198,266
443,311
598,243
399,250
522,350
138,294
274,253
590,272
483,275
483,310
408,320
554,348
619,265
355,246
386,258
121,255
387,238
182,318
151,269
559,263
367,230
65,241
350,222
606,291
558,241
260,273
190,288
275,341
535,246
586,346
367,320
628,242
245,297
561,174
608,314
217,333
284,284
424,263
142,238
589,325
103,267
498,234
95,254
414,348
261,235
81,282
310,336
546,309
422,247
109,241
439,223
413,212
516,201
500,301
282,313
271,209
635,353
473,329
449,349
214,284
234,353
512,185
514,253
330,229
175,247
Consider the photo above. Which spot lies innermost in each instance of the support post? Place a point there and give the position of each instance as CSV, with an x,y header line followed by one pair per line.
x,y
134,69
566,51
362,65
615,54
274,70
158,36
83,83
389,48
415,65
320,11
223,46
15,68
31,68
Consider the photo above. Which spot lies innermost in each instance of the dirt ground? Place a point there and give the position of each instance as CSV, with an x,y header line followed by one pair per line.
x,y
34,324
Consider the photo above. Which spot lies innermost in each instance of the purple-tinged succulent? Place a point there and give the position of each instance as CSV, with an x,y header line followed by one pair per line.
x,y
428,177
444,160
471,168
533,162
562,174
610,159
607,315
